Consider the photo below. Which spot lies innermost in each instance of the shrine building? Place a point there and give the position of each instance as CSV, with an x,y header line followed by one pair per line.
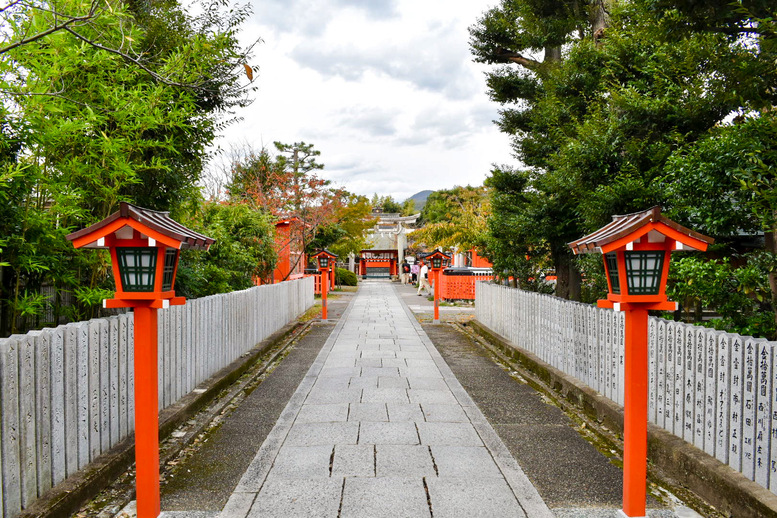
x,y
387,244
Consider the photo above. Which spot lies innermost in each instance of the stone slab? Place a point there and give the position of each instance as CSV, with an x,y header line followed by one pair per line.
x,y
444,413
320,396
388,433
369,362
354,460
392,382
380,371
420,372
384,497
431,396
418,383
379,354
384,395
464,462
339,372
393,362
302,462
363,382
368,412
393,460
404,412
323,413
301,498
319,434
473,498
448,434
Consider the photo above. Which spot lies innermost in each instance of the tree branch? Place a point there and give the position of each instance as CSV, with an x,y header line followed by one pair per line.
x,y
62,26
71,22
129,58
509,55
5,8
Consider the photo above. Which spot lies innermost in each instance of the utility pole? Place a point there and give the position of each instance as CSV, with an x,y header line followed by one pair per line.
x,y
295,168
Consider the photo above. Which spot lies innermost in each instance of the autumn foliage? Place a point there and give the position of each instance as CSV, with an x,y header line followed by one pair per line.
x,y
285,184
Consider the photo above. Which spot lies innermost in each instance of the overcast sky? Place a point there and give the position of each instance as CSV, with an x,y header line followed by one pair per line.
x,y
385,89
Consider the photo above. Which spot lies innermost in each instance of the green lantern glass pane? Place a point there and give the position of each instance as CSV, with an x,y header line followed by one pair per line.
x,y
436,262
323,261
137,268
171,257
612,268
643,272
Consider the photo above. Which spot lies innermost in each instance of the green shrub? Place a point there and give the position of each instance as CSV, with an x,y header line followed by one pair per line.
x,y
345,277
739,294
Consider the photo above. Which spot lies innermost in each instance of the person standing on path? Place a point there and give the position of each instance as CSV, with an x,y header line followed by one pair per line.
x,y
405,273
423,281
414,269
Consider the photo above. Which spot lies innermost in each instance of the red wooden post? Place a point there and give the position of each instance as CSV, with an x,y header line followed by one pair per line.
x,y
146,413
436,296
635,412
324,289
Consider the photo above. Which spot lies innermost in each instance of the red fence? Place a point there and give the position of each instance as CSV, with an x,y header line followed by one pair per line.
x,y
317,279
461,285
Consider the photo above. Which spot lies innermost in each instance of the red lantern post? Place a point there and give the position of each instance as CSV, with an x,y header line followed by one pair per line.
x,y
636,250
436,259
144,247
324,258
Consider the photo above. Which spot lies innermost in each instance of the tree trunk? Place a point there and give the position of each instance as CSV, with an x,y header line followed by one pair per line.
x,y
4,306
599,13
568,278
770,238
552,54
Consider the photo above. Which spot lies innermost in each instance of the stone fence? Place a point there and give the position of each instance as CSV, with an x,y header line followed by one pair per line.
x,y
66,394
716,390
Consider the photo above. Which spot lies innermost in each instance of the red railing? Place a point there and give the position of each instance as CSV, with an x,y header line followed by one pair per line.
x,y
460,287
317,277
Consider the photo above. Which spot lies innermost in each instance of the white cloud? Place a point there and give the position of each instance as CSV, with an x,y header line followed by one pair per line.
x,y
386,90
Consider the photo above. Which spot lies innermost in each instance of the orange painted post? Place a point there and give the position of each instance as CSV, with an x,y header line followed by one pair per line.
x,y
324,289
635,412
436,296
146,413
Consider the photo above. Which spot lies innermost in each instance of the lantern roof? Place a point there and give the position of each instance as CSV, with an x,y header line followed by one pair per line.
x,y
150,224
324,252
436,253
628,228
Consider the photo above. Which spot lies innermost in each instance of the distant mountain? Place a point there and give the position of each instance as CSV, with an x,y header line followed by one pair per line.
x,y
420,199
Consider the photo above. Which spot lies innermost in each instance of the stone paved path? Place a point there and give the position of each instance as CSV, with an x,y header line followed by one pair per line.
x,y
381,427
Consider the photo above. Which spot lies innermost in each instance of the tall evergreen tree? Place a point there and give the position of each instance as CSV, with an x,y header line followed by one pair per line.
x,y
539,109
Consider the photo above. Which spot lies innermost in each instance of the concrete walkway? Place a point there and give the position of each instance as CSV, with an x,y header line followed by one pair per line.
x,y
380,427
